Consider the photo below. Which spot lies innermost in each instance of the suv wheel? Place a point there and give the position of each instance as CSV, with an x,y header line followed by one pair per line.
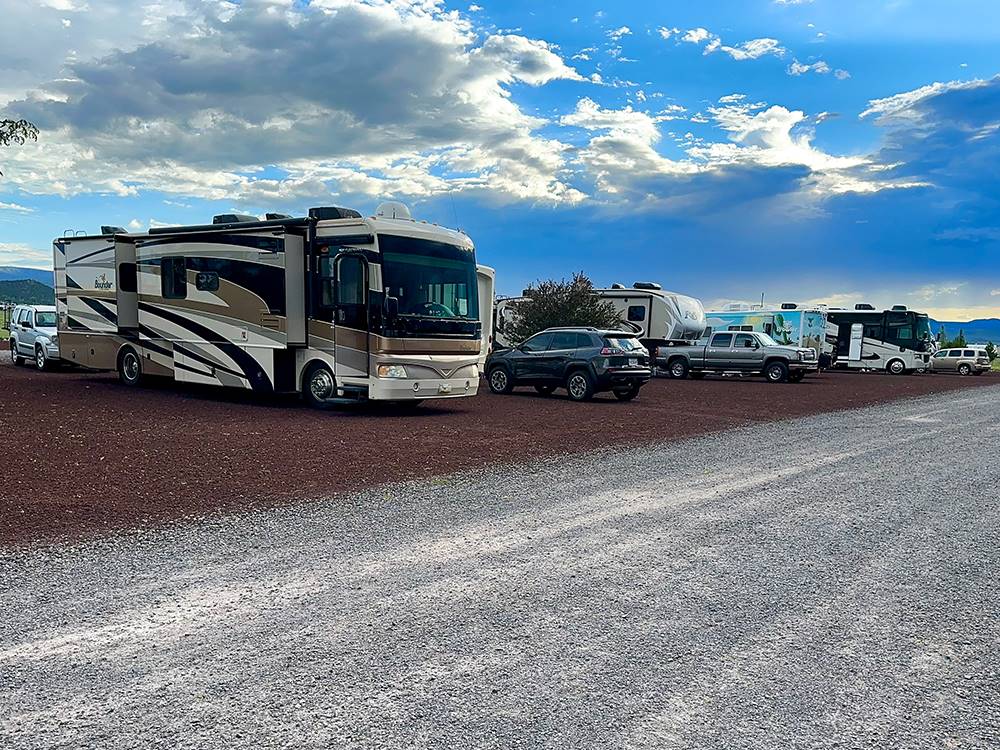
x,y
964,370
627,393
41,364
16,358
545,390
678,369
500,380
580,386
776,372
129,367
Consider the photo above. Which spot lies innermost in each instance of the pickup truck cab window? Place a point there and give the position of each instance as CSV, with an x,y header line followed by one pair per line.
x,y
743,341
722,340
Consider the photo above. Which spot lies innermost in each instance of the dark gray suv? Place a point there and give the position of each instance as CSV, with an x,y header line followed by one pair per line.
x,y
584,361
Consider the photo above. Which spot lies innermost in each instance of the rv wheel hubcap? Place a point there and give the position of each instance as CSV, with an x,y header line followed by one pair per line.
x,y
131,366
499,380
577,386
321,385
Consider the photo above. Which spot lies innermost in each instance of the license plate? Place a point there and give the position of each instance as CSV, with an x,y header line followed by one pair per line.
x,y
633,362
444,388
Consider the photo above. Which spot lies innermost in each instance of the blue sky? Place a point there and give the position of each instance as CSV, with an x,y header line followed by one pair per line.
x,y
832,151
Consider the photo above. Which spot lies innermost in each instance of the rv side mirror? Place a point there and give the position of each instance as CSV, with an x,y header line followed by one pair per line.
x,y
391,307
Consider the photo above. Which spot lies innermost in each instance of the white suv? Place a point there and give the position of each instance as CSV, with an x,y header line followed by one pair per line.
x,y
33,335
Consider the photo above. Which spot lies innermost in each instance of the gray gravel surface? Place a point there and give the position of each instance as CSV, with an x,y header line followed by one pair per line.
x,y
829,582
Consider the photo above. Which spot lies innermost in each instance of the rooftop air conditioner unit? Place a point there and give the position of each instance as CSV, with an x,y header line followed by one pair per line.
x,y
233,219
332,212
109,229
277,217
617,286
864,306
647,285
899,308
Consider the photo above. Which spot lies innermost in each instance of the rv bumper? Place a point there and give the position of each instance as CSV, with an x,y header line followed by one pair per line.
x,y
399,389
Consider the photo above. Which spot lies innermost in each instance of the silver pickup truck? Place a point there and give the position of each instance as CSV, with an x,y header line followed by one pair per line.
x,y
744,352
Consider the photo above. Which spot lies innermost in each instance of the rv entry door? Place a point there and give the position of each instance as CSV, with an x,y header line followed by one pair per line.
x,y
857,339
350,316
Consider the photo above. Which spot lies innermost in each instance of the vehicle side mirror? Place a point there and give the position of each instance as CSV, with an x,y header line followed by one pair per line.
x,y
391,307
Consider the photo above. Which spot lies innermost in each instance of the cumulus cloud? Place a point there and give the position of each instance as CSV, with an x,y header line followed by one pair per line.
x,y
618,33
211,98
27,256
752,49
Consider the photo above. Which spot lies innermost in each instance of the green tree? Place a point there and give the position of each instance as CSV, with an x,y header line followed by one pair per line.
x,y
562,303
17,133
991,351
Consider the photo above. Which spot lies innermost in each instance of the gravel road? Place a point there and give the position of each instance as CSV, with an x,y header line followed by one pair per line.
x,y
827,582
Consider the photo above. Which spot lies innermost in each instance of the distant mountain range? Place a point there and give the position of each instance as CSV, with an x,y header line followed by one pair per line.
x,y
26,292
14,273
976,331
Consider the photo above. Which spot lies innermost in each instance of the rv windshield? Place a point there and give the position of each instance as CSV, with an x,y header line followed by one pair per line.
x,y
430,279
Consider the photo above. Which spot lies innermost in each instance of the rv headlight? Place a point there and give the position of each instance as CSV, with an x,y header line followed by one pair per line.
x,y
391,371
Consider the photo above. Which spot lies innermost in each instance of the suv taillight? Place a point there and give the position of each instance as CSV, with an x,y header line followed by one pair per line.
x,y
611,350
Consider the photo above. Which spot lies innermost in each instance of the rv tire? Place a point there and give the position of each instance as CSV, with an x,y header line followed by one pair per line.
x,y
776,372
678,368
129,367
318,385
896,367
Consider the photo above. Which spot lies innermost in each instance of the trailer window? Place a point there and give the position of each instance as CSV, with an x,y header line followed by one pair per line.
x,y
173,278
207,281
636,313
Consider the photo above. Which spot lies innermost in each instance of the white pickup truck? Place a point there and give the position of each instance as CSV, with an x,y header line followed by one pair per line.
x,y
743,352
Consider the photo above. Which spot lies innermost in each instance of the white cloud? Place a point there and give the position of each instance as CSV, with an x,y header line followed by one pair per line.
x,y
797,68
697,36
16,207
618,33
995,292
792,2
904,107
475,8
749,50
666,33
931,292
21,254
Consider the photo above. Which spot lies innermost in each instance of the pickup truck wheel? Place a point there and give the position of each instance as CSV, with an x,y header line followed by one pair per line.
x,y
580,386
678,369
627,393
545,390
500,380
776,372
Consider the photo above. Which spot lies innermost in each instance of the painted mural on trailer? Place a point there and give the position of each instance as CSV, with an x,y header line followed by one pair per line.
x,y
791,327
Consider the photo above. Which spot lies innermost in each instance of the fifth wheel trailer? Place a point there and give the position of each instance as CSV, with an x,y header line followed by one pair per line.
x,y
335,306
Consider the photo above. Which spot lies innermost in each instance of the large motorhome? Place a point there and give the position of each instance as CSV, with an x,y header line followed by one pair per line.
x,y
897,340
788,324
335,306
658,317
487,293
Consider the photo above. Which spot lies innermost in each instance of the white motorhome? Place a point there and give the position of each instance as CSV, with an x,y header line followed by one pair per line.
x,y
487,293
504,319
335,306
658,317
897,341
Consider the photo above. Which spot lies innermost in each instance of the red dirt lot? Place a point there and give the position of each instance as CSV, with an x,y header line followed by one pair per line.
x,y
84,454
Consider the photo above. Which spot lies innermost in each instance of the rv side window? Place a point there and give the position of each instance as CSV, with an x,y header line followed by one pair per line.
x,y
207,281
636,313
173,278
127,281
872,331
768,328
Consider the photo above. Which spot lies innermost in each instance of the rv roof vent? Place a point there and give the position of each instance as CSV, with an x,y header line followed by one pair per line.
x,y
899,308
646,285
277,217
108,229
233,218
392,210
864,306
332,212
617,286
789,306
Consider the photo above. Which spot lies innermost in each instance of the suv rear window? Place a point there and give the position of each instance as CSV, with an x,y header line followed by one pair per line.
x,y
968,353
624,343
562,341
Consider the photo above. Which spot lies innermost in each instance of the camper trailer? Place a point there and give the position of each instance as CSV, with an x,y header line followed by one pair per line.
x,y
659,318
897,341
789,324
505,316
335,306
487,292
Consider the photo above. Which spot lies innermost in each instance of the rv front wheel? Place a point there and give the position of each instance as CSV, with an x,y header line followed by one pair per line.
x,y
129,368
319,386
896,367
